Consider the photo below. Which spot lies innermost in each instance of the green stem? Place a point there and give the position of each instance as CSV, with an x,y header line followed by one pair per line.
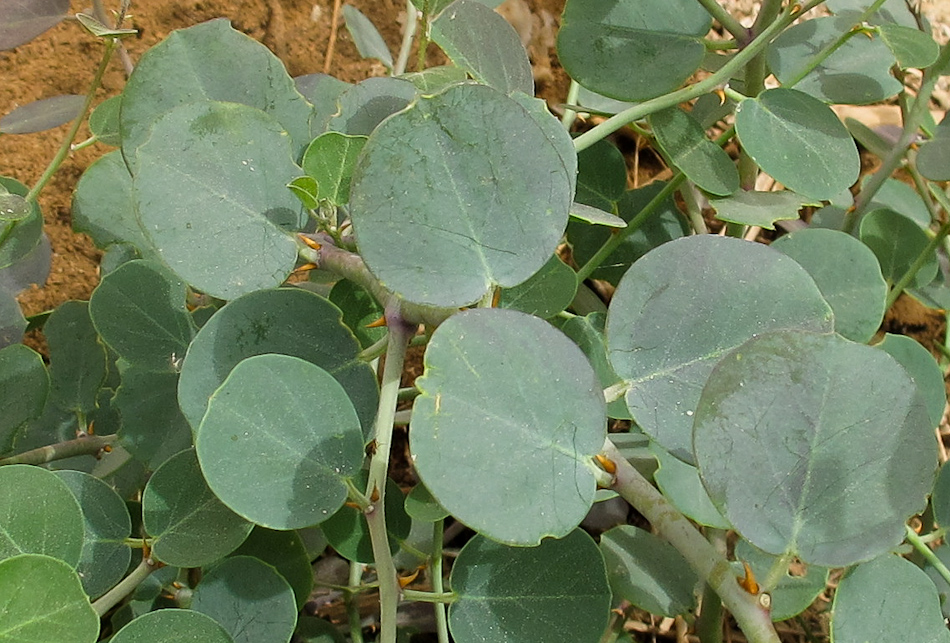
x,y
370,353
125,587
726,19
437,598
616,238
925,255
709,623
352,606
411,21
423,37
893,159
717,79
63,151
777,572
926,552
88,445
708,563
441,620
399,334
569,114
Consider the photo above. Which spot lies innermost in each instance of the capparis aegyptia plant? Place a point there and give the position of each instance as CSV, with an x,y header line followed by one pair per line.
x,y
243,412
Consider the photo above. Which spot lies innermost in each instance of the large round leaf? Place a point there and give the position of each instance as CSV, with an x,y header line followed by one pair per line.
x,y
681,307
799,141
287,321
815,446
43,600
847,274
632,50
511,407
190,527
249,599
888,599
295,435
210,61
557,591
467,188
38,515
105,556
172,626
220,171
139,311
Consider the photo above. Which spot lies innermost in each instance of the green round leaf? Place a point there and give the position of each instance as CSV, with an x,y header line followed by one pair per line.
x,y
21,23
887,599
249,599
684,142
901,198
799,436
362,107
923,370
43,600
139,310
606,48
485,45
799,141
294,432
28,231
153,428
311,629
933,159
664,339
12,322
42,115
847,274
367,39
287,321
563,581
39,515
857,73
190,527
794,593
467,179
544,294
78,361
348,532
588,333
228,166
420,505
329,160
681,484
897,242
912,47
286,552
199,63
24,386
105,556
172,626
526,448
104,121
359,311
648,571
601,175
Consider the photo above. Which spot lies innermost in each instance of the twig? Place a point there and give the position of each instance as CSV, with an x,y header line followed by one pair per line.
x,y
331,45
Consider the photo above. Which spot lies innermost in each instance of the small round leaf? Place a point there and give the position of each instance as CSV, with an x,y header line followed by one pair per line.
x,y
24,386
799,141
286,552
292,430
249,599
190,527
897,242
527,448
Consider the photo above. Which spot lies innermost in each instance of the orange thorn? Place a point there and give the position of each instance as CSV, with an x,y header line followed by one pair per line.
x,y
352,505
373,497
107,448
91,429
606,463
406,580
721,93
495,298
306,267
310,242
748,583
379,323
